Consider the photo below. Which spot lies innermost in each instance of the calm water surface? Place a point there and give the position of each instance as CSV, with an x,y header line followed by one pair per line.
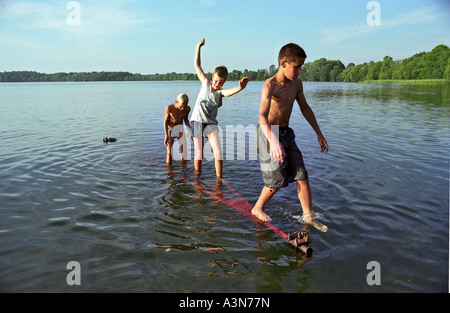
x,y
136,225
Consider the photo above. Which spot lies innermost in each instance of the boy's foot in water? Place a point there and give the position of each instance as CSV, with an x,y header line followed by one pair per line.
x,y
309,218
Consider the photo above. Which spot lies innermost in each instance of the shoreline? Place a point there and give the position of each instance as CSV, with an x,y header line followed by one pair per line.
x,y
409,81
368,82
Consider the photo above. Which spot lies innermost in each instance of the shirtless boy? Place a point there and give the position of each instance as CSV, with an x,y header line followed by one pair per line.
x,y
281,160
174,116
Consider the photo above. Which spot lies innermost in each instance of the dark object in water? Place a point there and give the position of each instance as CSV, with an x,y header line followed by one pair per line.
x,y
300,240
106,140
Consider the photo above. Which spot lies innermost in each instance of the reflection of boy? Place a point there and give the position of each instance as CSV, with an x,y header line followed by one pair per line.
x,y
203,118
281,160
174,116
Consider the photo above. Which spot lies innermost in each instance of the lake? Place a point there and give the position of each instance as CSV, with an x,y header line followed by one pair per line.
x,y
134,224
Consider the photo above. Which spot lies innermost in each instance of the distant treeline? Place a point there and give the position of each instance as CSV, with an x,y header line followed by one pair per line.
x,y
425,65
30,76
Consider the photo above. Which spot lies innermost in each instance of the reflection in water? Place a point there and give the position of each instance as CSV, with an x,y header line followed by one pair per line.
x,y
218,264
221,263
429,95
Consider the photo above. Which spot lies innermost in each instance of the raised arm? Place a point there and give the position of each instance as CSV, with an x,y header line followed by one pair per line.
x,y
198,64
310,117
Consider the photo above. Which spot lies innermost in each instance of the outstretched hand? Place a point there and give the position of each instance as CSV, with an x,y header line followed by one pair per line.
x,y
202,42
243,82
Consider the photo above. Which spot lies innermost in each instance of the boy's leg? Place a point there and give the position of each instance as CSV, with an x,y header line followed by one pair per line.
x,y
169,150
198,147
304,195
217,150
183,148
258,210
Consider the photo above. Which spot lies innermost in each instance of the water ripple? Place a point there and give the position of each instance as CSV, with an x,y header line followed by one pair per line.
x,y
134,226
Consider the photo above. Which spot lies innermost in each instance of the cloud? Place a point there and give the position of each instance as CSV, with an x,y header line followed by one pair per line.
x,y
208,3
418,16
96,17
341,34
113,19
37,33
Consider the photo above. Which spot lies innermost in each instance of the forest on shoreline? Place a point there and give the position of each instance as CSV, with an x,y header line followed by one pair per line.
x,y
433,65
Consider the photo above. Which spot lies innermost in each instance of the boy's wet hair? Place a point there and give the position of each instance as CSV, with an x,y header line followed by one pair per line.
x,y
183,98
221,71
291,52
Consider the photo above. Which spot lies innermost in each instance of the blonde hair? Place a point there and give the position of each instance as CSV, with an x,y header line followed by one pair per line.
x,y
221,71
183,98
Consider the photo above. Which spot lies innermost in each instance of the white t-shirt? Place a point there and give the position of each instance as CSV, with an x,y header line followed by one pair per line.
x,y
207,105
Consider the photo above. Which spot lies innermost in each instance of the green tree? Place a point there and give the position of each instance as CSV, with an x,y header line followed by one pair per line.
x,y
435,62
373,69
304,75
447,70
386,68
272,70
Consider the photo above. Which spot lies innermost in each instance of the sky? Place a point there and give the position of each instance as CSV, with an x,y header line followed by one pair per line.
x,y
160,36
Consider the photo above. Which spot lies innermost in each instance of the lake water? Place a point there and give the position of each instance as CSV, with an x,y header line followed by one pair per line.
x,y
135,225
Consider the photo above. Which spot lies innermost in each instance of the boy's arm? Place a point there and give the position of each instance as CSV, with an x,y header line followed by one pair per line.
x,y
198,64
229,92
166,126
310,117
277,152
188,125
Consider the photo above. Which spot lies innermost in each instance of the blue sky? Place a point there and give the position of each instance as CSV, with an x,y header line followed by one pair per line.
x,y
159,36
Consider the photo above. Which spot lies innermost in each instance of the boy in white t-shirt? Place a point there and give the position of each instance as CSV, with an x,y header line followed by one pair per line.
x,y
204,113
